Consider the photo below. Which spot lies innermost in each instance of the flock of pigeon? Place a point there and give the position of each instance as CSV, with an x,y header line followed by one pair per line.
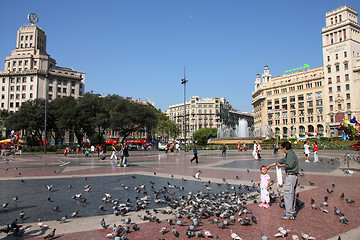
x,y
221,204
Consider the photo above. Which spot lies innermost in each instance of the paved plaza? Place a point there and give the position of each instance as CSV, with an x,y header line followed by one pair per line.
x,y
150,174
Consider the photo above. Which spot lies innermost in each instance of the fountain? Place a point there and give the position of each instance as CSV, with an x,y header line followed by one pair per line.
x,y
232,135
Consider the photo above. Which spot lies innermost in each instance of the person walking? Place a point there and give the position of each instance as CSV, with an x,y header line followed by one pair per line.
x,y
223,149
306,151
113,155
291,165
316,149
276,147
195,154
125,156
254,153
244,146
239,146
259,149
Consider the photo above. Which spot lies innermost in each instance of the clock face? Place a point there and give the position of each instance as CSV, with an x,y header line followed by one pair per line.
x,y
33,18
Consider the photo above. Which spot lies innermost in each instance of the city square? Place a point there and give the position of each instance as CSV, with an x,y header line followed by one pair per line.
x,y
27,179
177,90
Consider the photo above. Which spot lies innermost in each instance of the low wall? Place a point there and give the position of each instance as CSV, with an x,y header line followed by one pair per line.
x,y
247,140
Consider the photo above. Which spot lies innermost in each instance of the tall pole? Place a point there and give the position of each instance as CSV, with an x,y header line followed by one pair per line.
x,y
46,99
184,81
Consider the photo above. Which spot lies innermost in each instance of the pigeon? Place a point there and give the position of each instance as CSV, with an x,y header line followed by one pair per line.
x,y
74,214
197,175
55,209
342,219
5,205
338,212
306,236
235,236
199,234
50,235
174,232
163,230
22,215
329,190
135,227
207,234
41,225
263,237
49,187
333,184
127,220
103,224
342,196
63,219
282,232
295,237
253,219
311,183
348,200
15,198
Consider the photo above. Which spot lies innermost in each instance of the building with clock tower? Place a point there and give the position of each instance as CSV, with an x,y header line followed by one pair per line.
x,y
31,73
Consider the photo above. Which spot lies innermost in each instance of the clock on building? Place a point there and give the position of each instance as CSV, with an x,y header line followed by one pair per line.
x,y
33,18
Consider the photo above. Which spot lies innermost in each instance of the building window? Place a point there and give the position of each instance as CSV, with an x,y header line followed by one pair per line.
x,y
337,79
338,88
345,53
310,104
309,96
17,104
336,56
319,102
64,91
310,111
301,97
330,89
301,105
59,90
348,96
276,101
31,95
329,80
17,88
331,108
330,98
347,86
337,68
23,95
348,106
346,66
328,57
329,69
24,88
284,100
11,88
347,77
11,104
292,98
319,110
24,80
318,94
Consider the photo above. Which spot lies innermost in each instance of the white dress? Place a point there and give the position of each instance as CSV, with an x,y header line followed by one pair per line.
x,y
254,153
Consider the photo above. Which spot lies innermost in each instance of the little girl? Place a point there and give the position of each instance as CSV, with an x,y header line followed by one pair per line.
x,y
264,186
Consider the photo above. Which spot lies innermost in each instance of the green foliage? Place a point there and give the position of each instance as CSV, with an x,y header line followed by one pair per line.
x,y
166,128
202,135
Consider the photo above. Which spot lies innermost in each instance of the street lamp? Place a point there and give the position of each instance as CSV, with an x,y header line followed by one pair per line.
x,y
46,99
184,81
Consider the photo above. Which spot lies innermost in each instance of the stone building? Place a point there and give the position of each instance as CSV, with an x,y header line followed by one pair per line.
x,y
205,113
308,102
31,73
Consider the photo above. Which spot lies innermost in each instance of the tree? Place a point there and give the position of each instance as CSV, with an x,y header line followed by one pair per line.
x,y
202,135
30,117
128,117
166,128
4,114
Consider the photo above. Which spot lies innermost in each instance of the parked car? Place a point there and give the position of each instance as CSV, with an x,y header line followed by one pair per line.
x,y
161,146
132,146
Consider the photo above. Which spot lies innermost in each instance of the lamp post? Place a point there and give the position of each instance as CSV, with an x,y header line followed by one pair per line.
x,y
184,81
46,99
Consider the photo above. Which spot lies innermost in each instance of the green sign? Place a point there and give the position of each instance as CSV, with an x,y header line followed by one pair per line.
x,y
297,69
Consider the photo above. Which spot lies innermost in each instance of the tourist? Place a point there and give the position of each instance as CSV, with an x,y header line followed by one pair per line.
x,y
276,147
125,156
264,186
92,149
306,151
239,146
195,154
255,152
113,155
291,165
223,149
259,149
244,146
316,149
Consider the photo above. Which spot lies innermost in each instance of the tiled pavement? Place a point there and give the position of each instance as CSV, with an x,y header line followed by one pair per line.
x,y
28,176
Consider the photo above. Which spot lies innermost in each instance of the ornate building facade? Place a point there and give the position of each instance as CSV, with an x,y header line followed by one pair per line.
x,y
313,102
31,73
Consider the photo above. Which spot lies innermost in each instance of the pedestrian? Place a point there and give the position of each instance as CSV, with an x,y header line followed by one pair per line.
x,y
97,149
276,147
239,146
223,149
172,147
177,147
316,149
259,149
244,146
264,187
92,149
291,165
195,154
77,150
255,152
166,147
113,155
306,151
121,155
125,156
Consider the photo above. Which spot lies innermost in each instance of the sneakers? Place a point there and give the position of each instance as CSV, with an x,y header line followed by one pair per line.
x,y
307,161
266,205
287,217
119,165
125,165
262,205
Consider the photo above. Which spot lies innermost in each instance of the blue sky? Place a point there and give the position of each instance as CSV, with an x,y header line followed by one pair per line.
x,y
139,48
